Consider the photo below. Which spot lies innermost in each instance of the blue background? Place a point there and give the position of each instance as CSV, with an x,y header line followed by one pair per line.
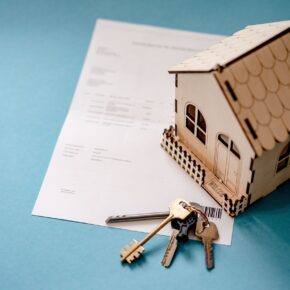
x,y
42,49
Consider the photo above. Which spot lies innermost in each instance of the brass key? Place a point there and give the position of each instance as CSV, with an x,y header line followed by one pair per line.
x,y
180,209
207,234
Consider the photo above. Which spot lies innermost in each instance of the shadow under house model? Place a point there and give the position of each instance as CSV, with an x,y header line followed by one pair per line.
x,y
232,116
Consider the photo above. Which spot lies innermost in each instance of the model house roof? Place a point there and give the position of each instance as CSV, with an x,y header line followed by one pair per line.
x,y
253,70
231,48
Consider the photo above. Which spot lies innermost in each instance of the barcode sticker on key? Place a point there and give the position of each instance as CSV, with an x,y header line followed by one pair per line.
x,y
212,212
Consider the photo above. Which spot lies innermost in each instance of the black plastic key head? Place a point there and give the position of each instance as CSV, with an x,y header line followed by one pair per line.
x,y
184,226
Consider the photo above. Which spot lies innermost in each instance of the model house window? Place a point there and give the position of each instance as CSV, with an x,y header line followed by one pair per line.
x,y
284,157
195,123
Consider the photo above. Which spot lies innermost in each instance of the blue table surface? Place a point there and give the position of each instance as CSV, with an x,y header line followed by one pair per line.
x,y
42,49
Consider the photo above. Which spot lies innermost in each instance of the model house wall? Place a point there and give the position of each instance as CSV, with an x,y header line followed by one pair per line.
x,y
266,174
203,91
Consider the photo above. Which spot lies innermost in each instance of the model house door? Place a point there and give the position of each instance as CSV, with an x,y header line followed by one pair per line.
x,y
227,162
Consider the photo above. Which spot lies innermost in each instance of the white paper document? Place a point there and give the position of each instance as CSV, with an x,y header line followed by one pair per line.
x,y
108,159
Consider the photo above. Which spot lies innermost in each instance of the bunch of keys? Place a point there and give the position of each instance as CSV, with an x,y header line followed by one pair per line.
x,y
184,217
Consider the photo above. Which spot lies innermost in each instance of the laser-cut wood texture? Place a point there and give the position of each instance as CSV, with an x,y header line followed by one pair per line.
x,y
252,69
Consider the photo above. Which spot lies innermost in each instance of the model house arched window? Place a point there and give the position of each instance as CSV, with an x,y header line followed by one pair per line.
x,y
195,122
283,160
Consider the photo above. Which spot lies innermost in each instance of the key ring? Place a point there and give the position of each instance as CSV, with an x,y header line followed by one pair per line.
x,y
198,211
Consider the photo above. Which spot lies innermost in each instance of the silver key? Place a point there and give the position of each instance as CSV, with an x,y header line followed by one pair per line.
x,y
137,217
143,216
171,249
181,229
207,234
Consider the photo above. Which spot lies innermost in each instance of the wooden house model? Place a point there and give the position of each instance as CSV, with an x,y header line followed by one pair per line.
x,y
232,115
